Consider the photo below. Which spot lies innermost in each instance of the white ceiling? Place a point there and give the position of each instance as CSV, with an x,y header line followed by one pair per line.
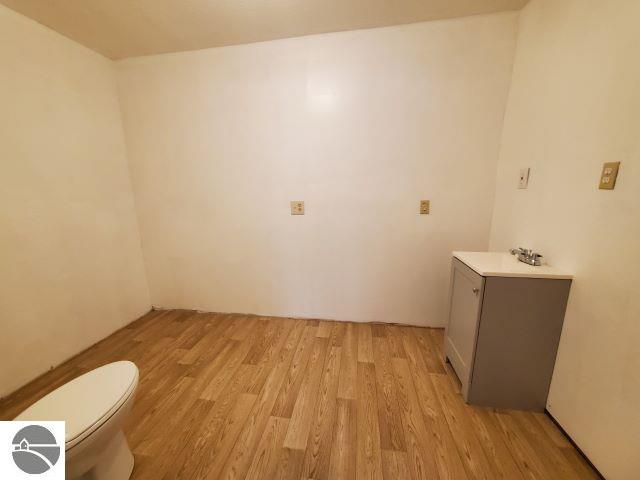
x,y
129,28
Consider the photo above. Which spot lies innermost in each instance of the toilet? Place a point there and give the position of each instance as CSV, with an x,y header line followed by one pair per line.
x,y
94,407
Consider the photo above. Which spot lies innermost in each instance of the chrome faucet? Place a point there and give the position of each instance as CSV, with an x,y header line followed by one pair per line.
x,y
527,256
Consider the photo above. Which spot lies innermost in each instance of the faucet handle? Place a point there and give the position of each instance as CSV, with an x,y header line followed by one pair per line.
x,y
536,258
527,256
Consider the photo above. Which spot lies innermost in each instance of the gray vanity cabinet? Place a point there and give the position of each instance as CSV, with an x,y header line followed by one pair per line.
x,y
502,336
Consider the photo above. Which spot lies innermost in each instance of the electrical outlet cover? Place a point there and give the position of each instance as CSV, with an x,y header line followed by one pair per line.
x,y
297,207
609,175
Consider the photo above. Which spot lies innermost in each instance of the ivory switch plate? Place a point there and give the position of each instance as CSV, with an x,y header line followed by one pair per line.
x,y
609,175
424,207
297,207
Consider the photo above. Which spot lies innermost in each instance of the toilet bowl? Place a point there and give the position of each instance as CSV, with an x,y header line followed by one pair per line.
x,y
94,407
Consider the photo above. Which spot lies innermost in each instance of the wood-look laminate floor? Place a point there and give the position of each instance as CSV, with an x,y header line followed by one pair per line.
x,y
237,396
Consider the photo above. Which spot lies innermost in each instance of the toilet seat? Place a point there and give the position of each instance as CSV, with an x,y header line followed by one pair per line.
x,y
87,402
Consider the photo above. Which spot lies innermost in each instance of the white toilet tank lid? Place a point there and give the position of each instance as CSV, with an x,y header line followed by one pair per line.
x,y
87,401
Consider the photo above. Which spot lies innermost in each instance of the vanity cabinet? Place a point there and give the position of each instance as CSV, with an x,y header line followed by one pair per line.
x,y
503,330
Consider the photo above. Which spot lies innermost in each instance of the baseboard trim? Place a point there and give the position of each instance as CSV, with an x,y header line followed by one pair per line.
x,y
575,445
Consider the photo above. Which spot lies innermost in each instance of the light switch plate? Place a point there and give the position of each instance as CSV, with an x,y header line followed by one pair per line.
x,y
609,175
523,180
425,206
297,207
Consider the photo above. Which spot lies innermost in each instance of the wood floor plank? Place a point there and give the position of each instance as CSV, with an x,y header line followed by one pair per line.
x,y
288,393
389,418
447,457
193,330
155,329
349,364
265,331
302,416
556,436
224,442
369,453
206,372
365,343
289,465
394,339
227,369
529,463
470,449
395,465
156,384
220,427
324,329
437,335
239,459
420,447
545,449
153,422
243,327
211,342
494,445
337,334
265,460
378,330
270,355
226,396
343,458
318,451
171,457
448,460
585,472
424,342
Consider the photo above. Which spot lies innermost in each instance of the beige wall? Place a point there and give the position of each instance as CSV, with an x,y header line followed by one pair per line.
x,y
574,104
71,268
361,125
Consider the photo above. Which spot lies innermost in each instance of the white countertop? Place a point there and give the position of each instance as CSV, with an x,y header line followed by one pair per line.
x,y
503,264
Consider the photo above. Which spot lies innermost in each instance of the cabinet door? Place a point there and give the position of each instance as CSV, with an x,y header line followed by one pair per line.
x,y
464,313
